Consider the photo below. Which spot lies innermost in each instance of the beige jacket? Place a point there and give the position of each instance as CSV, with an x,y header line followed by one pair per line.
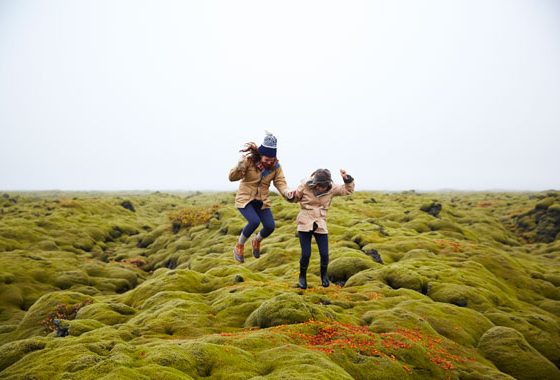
x,y
314,208
255,184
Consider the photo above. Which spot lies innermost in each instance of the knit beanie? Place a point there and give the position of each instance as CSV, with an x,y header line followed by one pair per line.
x,y
268,147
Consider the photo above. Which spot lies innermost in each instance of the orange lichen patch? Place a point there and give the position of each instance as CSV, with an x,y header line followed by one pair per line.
x,y
454,246
373,296
330,337
485,204
136,261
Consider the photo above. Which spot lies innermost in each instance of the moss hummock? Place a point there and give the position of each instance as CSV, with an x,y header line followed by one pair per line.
x,y
143,285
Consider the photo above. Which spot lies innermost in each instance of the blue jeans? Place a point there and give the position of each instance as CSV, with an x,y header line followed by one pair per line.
x,y
256,215
305,243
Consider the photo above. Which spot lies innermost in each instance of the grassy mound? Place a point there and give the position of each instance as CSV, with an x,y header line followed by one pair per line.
x,y
424,286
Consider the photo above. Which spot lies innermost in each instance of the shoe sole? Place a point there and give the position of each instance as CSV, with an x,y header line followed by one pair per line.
x,y
237,257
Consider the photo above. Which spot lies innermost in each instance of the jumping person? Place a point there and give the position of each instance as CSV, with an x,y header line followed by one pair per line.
x,y
257,168
314,197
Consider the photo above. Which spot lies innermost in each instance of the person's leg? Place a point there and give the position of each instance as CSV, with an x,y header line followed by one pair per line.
x,y
250,212
253,222
268,224
305,243
323,244
267,220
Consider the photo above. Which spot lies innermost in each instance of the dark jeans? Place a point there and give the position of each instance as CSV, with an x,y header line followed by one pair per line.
x,y
305,243
255,215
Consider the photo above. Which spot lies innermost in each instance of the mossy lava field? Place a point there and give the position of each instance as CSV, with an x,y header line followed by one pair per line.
x,y
143,285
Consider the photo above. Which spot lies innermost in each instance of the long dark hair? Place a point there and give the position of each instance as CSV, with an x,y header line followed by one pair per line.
x,y
251,151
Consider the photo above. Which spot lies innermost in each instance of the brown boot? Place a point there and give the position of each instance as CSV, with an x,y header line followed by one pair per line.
x,y
256,244
238,252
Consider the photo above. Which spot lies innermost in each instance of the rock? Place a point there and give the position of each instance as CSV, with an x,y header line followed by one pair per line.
x,y
433,208
374,254
61,328
128,205
238,278
542,224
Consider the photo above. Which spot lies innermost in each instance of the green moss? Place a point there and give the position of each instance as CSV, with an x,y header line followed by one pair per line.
x,y
203,360
539,329
177,317
395,276
284,309
291,362
232,306
78,327
14,351
445,281
341,269
107,314
460,295
511,353
32,322
169,280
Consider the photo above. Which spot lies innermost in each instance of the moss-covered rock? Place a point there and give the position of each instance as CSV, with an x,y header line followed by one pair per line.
x,y
284,309
341,269
106,313
511,353
14,351
141,300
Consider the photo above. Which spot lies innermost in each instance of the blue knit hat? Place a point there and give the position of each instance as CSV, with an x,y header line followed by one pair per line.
x,y
268,147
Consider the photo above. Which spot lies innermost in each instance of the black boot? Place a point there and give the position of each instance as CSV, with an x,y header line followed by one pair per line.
x,y
324,276
302,281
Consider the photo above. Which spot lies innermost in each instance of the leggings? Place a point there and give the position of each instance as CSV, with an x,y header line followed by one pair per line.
x,y
305,243
255,215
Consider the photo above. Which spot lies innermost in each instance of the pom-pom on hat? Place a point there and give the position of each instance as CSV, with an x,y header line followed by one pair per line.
x,y
268,147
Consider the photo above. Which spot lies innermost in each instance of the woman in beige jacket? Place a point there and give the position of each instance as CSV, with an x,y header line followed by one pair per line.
x,y
257,169
315,196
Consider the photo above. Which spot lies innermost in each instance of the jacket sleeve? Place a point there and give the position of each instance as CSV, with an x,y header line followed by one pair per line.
x,y
346,189
238,171
298,195
280,182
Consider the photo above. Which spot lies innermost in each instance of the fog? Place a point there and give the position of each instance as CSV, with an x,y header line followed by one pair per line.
x,y
162,95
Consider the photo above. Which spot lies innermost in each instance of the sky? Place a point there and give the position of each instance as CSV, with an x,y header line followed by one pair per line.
x,y
162,95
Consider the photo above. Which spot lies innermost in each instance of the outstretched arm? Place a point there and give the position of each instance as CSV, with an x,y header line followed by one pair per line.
x,y
348,187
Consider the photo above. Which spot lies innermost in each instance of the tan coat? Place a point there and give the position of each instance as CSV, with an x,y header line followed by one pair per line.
x,y
314,208
253,185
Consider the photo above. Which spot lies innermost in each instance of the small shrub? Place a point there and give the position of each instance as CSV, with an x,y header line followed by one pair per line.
x,y
191,216
62,311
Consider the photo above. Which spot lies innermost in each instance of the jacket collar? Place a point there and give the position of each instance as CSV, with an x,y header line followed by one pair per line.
x,y
266,172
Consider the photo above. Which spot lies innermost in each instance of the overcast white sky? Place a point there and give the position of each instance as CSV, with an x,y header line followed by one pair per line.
x,y
161,95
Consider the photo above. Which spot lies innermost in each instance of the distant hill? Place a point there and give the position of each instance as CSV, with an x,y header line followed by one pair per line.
x,y
144,286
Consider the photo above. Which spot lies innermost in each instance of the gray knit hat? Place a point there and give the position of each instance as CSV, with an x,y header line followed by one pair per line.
x,y
268,147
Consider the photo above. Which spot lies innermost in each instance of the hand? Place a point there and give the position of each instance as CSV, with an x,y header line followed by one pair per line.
x,y
343,174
